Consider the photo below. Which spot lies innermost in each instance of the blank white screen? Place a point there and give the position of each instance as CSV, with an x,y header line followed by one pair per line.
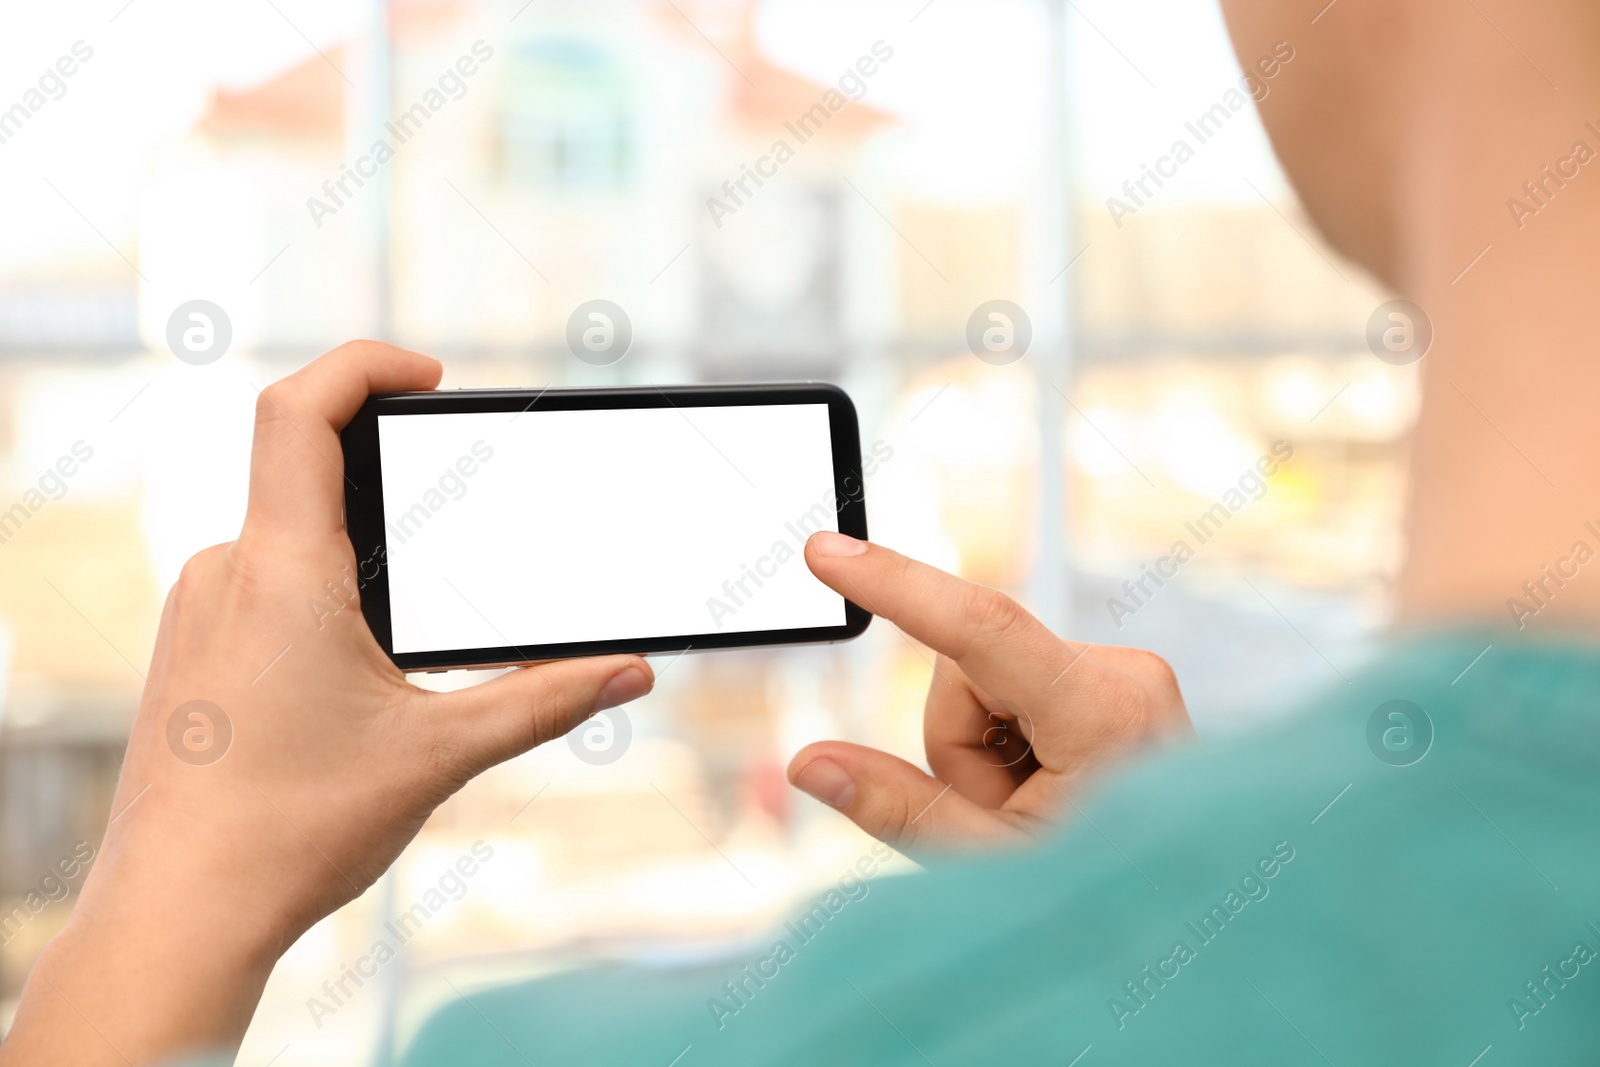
x,y
560,526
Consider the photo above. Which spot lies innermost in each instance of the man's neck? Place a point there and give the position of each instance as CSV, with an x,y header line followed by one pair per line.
x,y
1412,129
1500,222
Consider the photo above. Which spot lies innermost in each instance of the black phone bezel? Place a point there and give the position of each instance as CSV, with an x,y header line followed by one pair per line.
x,y
365,525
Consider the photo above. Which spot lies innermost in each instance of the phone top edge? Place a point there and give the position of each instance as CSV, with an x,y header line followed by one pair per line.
x,y
615,390
568,398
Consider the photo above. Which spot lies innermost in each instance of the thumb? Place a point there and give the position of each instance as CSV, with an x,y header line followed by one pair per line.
x,y
893,800
497,720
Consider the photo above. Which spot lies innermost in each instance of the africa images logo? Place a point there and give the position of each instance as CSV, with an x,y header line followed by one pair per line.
x,y
199,733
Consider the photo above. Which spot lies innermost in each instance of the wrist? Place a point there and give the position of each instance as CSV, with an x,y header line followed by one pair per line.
x,y
154,962
151,885
106,993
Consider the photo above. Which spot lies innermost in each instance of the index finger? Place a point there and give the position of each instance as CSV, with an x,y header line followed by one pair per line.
x,y
997,643
296,462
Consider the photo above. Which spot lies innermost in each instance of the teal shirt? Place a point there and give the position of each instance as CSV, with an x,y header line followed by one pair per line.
x,y
1290,897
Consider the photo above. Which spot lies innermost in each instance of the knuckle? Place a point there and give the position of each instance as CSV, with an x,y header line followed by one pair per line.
x,y
1129,711
899,568
266,406
196,573
358,346
991,613
189,615
1115,709
1035,824
1125,706
1154,671
250,568
554,708
900,825
350,351
275,402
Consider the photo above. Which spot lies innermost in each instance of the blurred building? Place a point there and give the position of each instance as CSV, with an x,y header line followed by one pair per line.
x,y
606,150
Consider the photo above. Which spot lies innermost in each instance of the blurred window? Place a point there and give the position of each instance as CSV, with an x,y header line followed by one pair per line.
x,y
568,119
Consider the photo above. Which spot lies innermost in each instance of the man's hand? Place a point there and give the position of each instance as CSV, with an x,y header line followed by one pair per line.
x,y
1016,718
223,849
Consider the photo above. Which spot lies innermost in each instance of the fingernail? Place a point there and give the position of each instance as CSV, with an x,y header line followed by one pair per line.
x,y
627,684
828,543
828,782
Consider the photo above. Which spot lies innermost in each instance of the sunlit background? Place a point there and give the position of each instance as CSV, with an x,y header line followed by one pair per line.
x,y
195,151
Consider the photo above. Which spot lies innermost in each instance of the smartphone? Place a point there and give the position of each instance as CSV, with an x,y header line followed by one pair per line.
x,y
498,527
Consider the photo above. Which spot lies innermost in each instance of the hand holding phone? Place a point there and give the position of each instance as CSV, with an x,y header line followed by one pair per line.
x,y
279,761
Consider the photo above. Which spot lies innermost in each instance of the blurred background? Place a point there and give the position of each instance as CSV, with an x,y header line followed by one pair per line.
x,y
539,154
